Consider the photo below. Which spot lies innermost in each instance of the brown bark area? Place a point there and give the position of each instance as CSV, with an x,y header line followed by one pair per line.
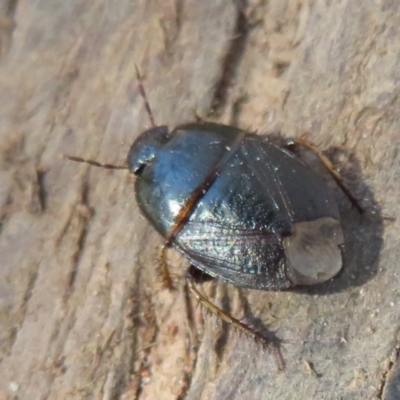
x,y
82,313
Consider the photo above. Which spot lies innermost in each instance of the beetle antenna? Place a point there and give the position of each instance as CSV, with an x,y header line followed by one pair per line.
x,y
95,163
144,96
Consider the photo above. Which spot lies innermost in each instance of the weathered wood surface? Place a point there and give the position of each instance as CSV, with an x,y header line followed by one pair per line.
x,y
82,314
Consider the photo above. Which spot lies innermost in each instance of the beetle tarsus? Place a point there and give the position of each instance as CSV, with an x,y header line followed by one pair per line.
x,y
256,335
166,275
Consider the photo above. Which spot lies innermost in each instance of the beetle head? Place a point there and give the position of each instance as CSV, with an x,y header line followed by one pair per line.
x,y
146,147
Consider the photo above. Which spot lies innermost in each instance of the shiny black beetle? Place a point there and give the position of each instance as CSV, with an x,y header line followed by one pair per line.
x,y
237,206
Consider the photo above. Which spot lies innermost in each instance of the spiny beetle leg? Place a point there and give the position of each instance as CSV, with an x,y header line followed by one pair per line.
x,y
166,276
257,336
302,141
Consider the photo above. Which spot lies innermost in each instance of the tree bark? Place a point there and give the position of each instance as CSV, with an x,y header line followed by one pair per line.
x,y
82,311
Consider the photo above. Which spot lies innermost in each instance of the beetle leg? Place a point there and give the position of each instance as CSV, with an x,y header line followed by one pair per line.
x,y
302,141
257,336
162,257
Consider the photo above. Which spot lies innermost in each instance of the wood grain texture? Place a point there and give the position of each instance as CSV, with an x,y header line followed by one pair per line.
x,y
82,312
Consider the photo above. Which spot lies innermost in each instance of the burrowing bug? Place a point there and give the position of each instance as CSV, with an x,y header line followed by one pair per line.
x,y
237,206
